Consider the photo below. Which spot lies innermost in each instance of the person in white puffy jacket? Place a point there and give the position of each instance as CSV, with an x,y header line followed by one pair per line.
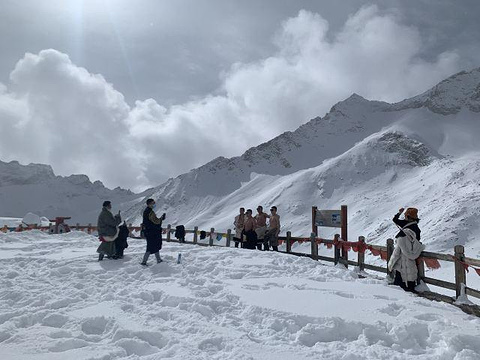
x,y
408,248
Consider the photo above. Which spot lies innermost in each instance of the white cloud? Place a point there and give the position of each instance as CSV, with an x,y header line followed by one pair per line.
x,y
58,113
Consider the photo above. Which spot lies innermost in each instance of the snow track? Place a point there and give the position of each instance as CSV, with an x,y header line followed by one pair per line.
x,y
58,302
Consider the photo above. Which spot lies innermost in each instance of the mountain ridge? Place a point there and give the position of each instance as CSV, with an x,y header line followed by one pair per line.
x,y
413,139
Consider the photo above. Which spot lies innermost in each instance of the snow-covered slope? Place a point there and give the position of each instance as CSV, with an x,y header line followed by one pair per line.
x,y
373,156
35,188
58,302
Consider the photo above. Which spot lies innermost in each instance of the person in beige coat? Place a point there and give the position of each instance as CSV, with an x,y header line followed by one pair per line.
x,y
407,249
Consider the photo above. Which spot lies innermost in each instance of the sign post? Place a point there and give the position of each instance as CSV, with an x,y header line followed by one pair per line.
x,y
331,218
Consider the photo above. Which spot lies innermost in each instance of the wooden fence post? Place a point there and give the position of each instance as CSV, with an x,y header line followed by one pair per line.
x,y
460,275
169,227
289,242
390,249
229,237
210,241
361,255
345,256
314,246
421,269
195,235
336,249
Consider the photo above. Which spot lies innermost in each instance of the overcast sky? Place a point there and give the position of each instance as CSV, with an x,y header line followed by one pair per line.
x,y
133,92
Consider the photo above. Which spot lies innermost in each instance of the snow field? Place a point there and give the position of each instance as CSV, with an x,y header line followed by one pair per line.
x,y
58,302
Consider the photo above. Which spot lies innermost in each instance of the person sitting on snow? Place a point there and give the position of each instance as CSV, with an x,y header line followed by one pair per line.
x,y
107,227
408,248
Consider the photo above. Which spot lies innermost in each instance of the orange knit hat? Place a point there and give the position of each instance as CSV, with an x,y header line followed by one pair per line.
x,y
412,213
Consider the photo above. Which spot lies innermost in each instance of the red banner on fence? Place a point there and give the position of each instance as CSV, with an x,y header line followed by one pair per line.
x,y
431,263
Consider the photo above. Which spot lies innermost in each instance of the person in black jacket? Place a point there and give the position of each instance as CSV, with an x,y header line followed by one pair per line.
x,y
152,229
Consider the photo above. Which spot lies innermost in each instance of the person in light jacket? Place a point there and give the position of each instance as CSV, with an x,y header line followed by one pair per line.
x,y
408,248
238,223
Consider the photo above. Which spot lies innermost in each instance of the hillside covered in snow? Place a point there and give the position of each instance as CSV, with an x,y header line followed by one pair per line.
x,y
372,156
35,188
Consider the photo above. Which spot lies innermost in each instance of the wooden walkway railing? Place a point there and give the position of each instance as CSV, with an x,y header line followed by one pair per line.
x,y
341,251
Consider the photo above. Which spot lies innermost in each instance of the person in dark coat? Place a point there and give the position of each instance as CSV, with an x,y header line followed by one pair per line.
x,y
107,231
121,241
152,228
180,233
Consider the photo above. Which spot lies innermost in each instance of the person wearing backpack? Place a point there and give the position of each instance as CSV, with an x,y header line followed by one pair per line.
x,y
407,249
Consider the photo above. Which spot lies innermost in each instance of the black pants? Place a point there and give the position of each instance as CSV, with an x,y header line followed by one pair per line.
x,y
409,286
266,247
251,236
237,241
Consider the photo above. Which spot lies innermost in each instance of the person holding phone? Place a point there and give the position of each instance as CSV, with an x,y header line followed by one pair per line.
x,y
152,229
407,250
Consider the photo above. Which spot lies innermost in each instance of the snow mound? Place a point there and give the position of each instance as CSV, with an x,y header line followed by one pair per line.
x,y
32,219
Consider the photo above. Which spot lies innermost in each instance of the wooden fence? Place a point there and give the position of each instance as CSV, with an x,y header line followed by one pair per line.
x,y
341,250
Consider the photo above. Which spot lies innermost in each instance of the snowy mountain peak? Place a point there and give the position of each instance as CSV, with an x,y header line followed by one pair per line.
x,y
355,103
461,90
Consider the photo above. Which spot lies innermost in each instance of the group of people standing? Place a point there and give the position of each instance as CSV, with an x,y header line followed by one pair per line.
x,y
260,232
253,232
114,237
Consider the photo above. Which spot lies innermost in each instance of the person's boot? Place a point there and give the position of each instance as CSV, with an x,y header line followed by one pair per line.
x,y
159,259
100,257
145,258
